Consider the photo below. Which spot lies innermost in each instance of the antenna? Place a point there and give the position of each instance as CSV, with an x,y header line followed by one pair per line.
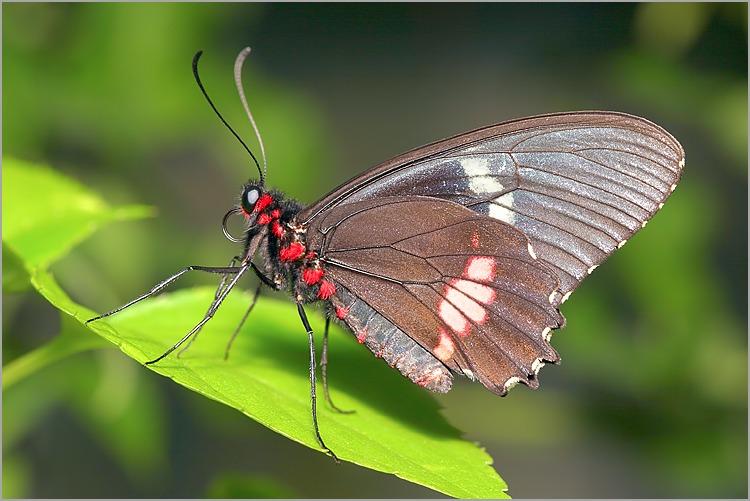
x,y
238,80
213,107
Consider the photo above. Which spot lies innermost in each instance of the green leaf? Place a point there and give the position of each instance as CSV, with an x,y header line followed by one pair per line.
x,y
397,427
45,214
16,476
69,342
15,277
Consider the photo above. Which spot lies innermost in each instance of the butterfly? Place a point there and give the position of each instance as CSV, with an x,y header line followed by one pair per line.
x,y
454,257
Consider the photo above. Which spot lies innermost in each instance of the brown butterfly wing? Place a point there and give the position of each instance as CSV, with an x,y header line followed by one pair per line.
x,y
466,287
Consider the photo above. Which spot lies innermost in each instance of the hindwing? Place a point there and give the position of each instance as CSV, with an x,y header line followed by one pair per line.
x,y
467,288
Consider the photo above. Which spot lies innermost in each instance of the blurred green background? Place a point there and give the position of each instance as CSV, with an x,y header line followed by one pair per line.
x,y
651,397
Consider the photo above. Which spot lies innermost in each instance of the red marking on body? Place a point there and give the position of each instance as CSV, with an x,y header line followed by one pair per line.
x,y
264,219
327,289
276,229
312,276
362,335
263,202
276,213
445,347
294,251
341,312
475,240
310,255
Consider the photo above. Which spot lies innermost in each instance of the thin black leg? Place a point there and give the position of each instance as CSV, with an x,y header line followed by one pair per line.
x,y
219,290
209,314
242,322
161,285
313,397
324,367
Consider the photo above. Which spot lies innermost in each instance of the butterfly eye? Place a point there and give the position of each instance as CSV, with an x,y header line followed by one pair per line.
x,y
249,197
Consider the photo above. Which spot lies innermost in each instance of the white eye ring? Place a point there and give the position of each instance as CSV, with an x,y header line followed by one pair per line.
x,y
251,196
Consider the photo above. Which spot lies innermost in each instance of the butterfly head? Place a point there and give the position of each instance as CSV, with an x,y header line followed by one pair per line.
x,y
268,214
254,200
255,204
263,208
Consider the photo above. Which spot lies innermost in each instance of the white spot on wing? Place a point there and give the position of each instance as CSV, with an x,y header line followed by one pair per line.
x,y
531,251
460,296
547,333
462,301
482,293
454,318
592,269
537,365
445,347
480,177
622,243
481,268
565,297
644,223
501,209
510,383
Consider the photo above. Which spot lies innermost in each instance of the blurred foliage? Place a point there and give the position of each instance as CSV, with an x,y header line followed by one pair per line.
x,y
244,486
651,398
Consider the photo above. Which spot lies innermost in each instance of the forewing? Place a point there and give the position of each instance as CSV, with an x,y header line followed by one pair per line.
x,y
578,185
466,287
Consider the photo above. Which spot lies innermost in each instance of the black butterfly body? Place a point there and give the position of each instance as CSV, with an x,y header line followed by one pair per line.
x,y
455,257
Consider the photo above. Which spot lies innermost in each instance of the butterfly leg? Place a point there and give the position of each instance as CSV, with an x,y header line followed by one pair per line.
x,y
306,324
323,367
242,322
209,314
219,290
163,284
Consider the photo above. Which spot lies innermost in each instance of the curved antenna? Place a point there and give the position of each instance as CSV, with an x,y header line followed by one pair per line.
x,y
238,81
213,107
